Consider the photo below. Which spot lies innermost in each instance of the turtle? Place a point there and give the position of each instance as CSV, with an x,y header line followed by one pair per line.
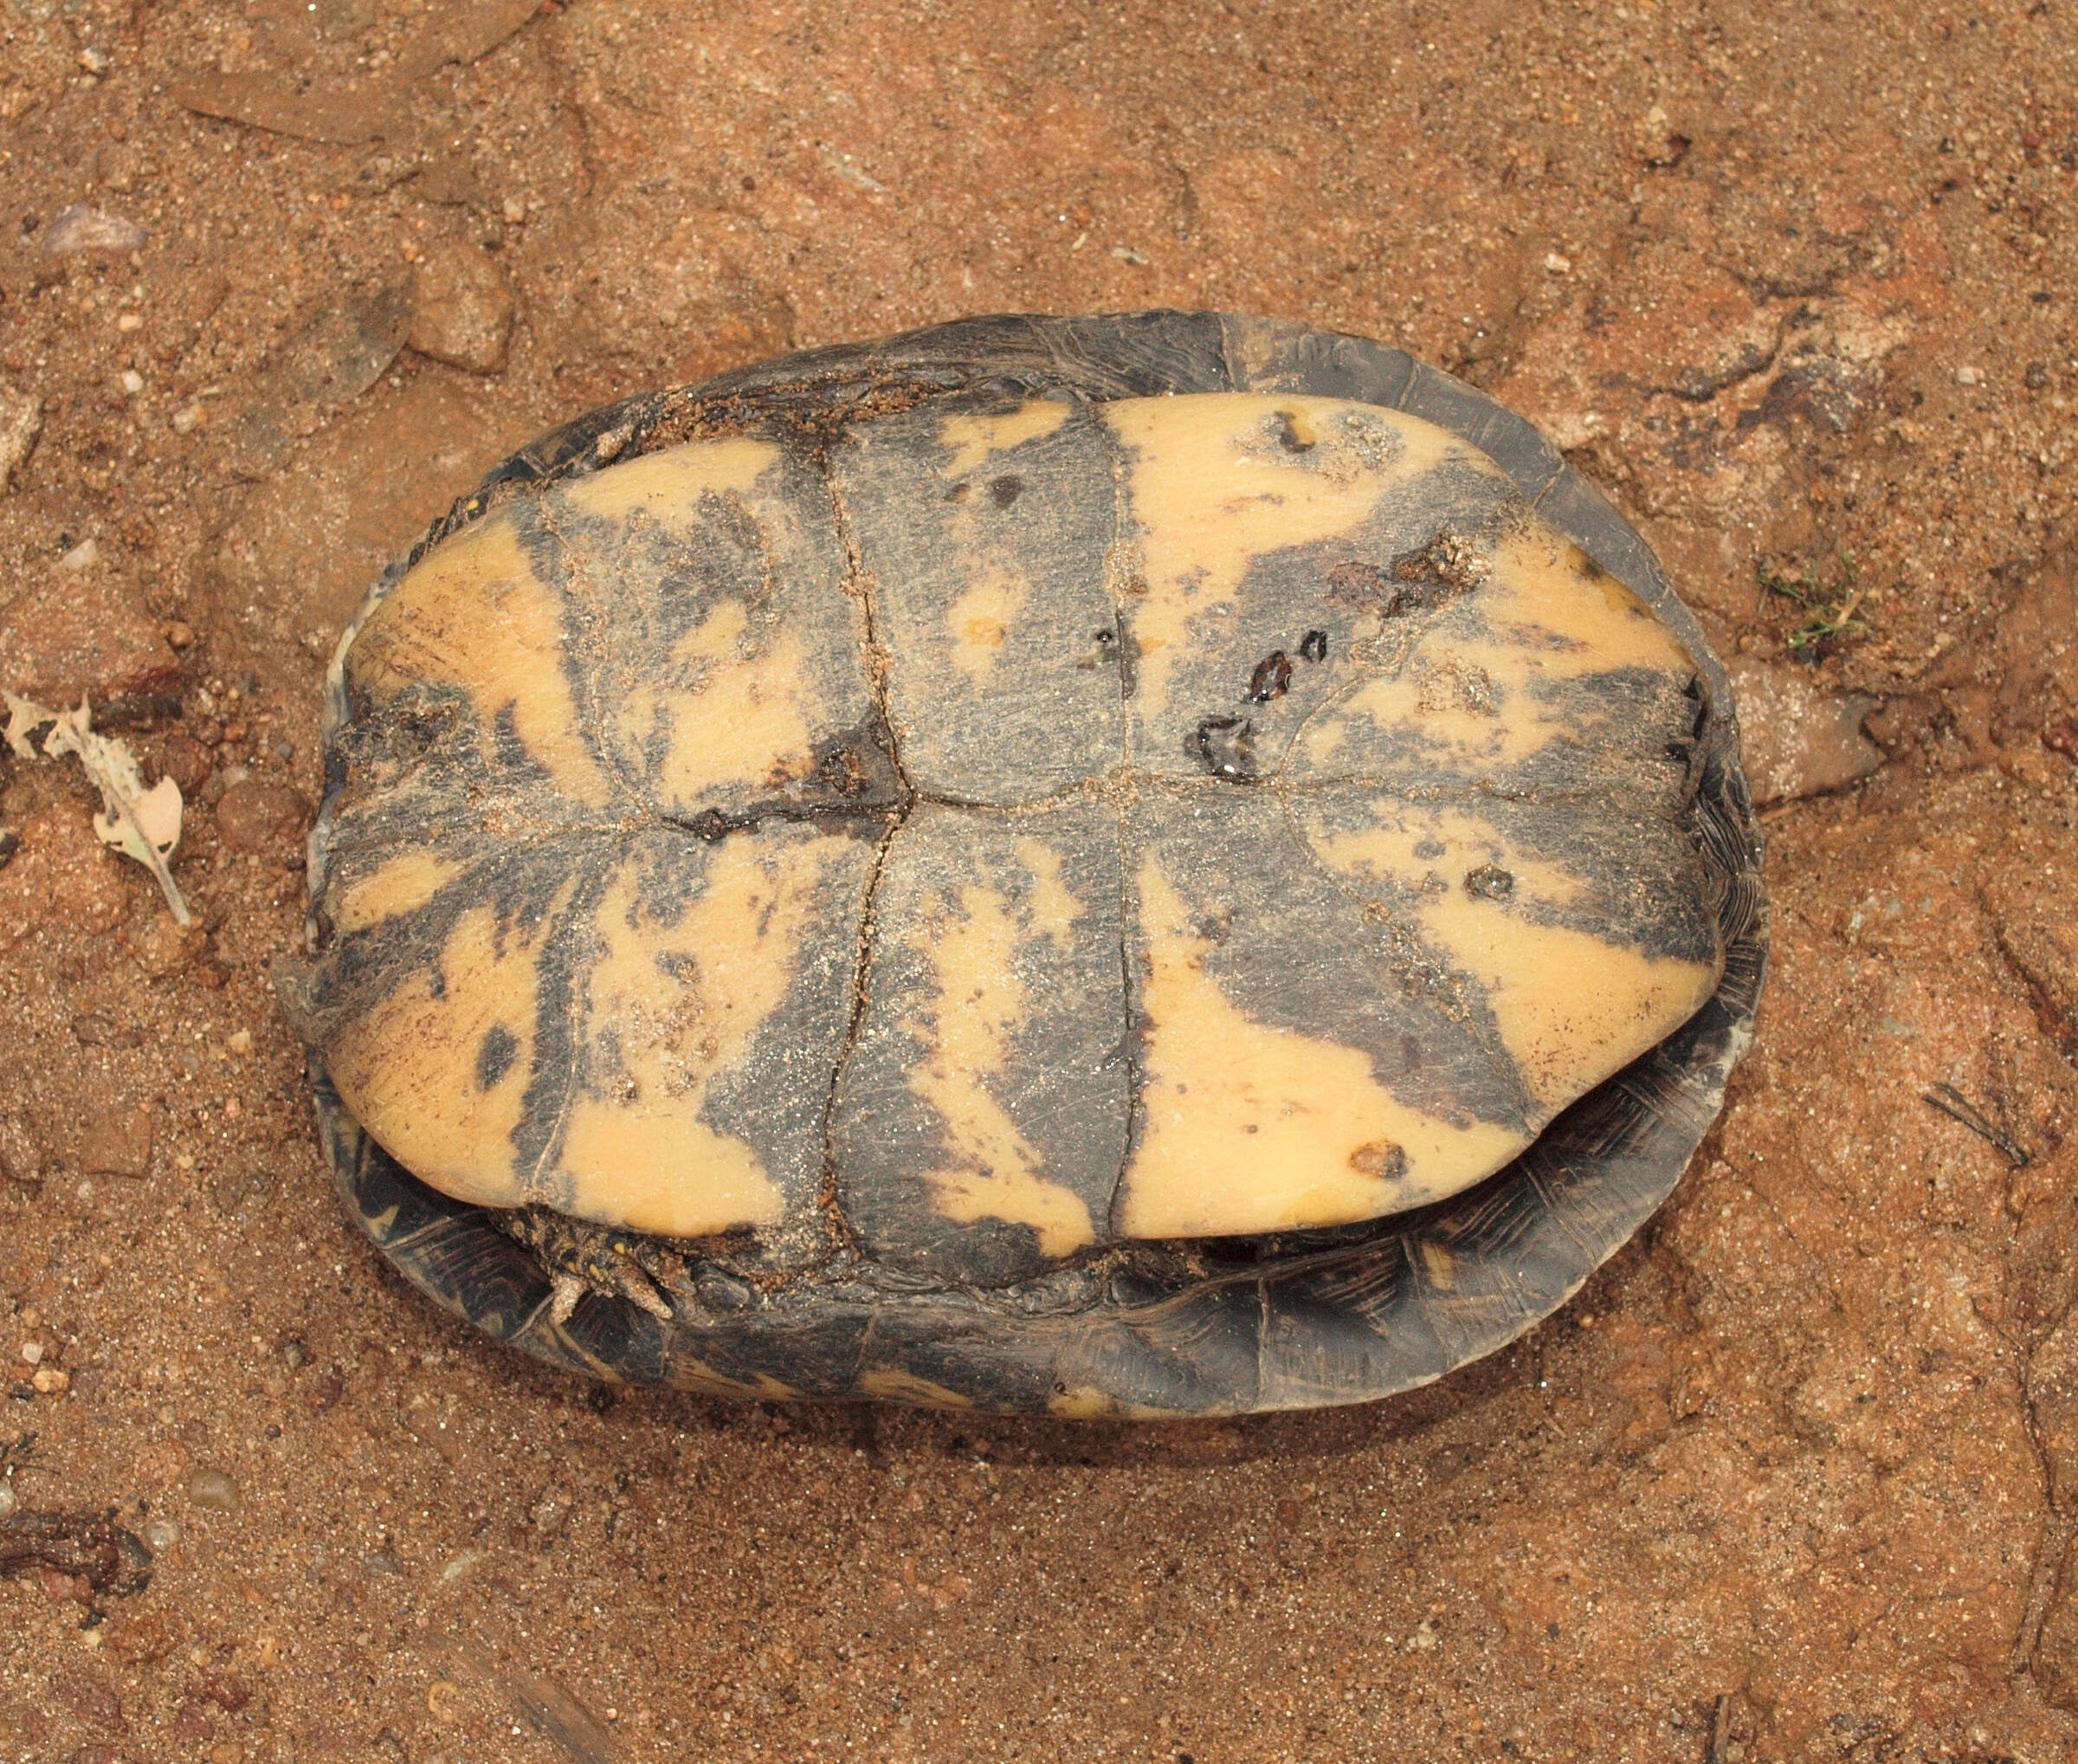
x,y
1152,864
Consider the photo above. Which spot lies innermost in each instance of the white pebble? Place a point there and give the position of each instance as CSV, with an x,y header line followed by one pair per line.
x,y
1967,376
1557,263
162,1533
33,1352
133,382
83,556
214,1489
9,1500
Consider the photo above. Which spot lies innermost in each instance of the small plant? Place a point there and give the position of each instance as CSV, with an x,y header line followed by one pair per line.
x,y
1828,606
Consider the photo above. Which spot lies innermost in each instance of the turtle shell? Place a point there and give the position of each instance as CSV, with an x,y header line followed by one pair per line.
x,y
1161,864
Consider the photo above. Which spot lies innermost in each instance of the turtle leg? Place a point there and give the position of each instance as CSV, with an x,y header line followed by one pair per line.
x,y
580,1258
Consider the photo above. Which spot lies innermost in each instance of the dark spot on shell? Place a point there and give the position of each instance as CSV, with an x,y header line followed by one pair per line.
x,y
505,734
710,824
494,1057
959,493
1489,883
1225,746
1380,1157
1447,566
1357,584
1006,489
1314,648
1288,437
1430,849
1273,675
842,771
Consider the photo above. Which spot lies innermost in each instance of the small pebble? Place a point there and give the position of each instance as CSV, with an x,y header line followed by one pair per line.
x,y
1968,377
463,309
162,1534
9,1500
128,322
33,1352
133,382
21,421
253,817
213,1489
83,556
1557,263
50,1382
82,229
94,60
185,419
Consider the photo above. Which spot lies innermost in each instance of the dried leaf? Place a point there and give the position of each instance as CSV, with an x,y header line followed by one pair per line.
x,y
144,823
25,717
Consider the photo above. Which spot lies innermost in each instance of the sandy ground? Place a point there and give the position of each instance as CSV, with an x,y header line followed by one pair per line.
x,y
1796,1478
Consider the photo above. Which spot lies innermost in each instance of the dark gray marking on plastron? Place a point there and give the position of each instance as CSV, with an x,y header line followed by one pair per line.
x,y
930,1093
635,590
1343,589
1633,877
988,604
772,1099
1293,947
494,1056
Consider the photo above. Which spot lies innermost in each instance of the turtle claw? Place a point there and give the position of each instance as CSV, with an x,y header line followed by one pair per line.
x,y
581,1259
565,1289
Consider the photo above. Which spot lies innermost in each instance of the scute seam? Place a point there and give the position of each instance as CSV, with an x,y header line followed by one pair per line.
x,y
1130,1030
844,1239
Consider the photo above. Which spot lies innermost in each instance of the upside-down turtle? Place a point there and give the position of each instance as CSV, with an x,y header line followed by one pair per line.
x,y
1159,864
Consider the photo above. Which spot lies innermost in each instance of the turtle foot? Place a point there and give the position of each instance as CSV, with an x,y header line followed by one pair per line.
x,y
581,1258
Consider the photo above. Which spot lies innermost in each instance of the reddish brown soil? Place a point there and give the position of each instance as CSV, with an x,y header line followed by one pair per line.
x,y
1796,1475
